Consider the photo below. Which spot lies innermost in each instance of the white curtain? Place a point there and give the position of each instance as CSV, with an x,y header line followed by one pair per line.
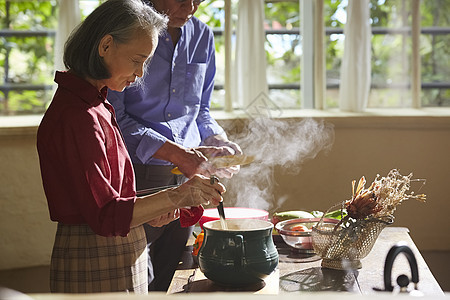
x,y
356,62
250,80
69,17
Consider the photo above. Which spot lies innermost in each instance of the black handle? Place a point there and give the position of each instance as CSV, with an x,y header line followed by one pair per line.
x,y
221,210
212,180
392,254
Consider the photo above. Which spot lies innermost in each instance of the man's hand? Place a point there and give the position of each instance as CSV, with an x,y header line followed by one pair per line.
x,y
222,142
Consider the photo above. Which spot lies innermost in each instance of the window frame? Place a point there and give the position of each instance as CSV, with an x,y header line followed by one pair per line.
x,y
313,88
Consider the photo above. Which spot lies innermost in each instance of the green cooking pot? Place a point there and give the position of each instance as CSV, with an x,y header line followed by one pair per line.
x,y
243,254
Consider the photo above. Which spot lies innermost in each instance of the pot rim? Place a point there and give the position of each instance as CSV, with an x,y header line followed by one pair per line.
x,y
268,225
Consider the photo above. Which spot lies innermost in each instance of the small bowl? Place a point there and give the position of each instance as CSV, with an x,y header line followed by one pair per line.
x,y
299,241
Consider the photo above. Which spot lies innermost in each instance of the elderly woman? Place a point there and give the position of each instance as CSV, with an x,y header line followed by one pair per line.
x,y
86,171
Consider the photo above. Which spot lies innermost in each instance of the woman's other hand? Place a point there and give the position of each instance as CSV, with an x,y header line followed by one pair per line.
x,y
165,219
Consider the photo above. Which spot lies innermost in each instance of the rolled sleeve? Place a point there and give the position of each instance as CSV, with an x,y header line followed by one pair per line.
x,y
148,145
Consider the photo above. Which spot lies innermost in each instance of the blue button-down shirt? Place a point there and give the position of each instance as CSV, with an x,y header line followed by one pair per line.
x,y
173,102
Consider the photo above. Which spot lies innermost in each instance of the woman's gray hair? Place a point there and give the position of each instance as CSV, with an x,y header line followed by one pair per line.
x,y
120,19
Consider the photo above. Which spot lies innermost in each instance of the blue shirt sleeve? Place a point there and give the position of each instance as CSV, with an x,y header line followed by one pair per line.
x,y
135,134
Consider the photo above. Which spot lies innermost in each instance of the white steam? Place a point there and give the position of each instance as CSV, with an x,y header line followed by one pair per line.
x,y
274,143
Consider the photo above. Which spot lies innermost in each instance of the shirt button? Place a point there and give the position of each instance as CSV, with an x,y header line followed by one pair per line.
x,y
167,39
173,90
169,115
175,134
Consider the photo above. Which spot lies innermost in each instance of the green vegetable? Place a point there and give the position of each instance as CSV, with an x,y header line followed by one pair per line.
x,y
336,214
292,214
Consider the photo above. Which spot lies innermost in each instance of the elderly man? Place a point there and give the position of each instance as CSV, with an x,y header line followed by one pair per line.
x,y
166,122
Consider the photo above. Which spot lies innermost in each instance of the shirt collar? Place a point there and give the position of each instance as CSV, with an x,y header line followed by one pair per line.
x,y
183,29
80,87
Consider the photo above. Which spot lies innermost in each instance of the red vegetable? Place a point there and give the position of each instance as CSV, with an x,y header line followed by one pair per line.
x,y
299,227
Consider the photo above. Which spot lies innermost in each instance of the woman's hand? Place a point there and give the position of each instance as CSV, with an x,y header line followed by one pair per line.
x,y
165,219
197,191
163,207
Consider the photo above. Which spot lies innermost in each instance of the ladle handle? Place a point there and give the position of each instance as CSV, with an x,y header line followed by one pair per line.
x,y
213,179
221,210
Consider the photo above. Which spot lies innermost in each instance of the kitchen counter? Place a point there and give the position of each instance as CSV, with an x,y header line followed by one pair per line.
x,y
295,275
301,273
226,296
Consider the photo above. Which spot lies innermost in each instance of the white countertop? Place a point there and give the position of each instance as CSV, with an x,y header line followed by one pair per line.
x,y
240,296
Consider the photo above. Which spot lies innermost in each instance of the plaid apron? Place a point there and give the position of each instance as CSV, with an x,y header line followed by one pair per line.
x,y
84,262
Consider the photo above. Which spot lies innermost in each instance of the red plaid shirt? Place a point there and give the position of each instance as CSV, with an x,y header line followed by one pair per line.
x,y
86,170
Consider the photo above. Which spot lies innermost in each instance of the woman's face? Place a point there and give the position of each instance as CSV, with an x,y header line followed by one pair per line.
x,y
126,61
178,11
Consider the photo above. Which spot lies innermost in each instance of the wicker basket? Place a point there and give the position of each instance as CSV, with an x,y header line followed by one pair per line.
x,y
343,247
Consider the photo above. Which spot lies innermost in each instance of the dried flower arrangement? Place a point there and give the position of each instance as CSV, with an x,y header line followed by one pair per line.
x,y
363,217
381,198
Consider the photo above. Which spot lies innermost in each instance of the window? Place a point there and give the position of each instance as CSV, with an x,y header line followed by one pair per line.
x,y
435,52
27,41
283,50
391,53
391,66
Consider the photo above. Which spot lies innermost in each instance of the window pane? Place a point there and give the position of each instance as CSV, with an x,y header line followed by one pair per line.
x,y
27,15
26,58
391,54
26,44
285,98
213,14
335,17
435,52
283,50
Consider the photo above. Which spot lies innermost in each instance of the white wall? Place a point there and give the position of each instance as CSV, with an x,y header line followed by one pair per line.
x,y
364,145
27,233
